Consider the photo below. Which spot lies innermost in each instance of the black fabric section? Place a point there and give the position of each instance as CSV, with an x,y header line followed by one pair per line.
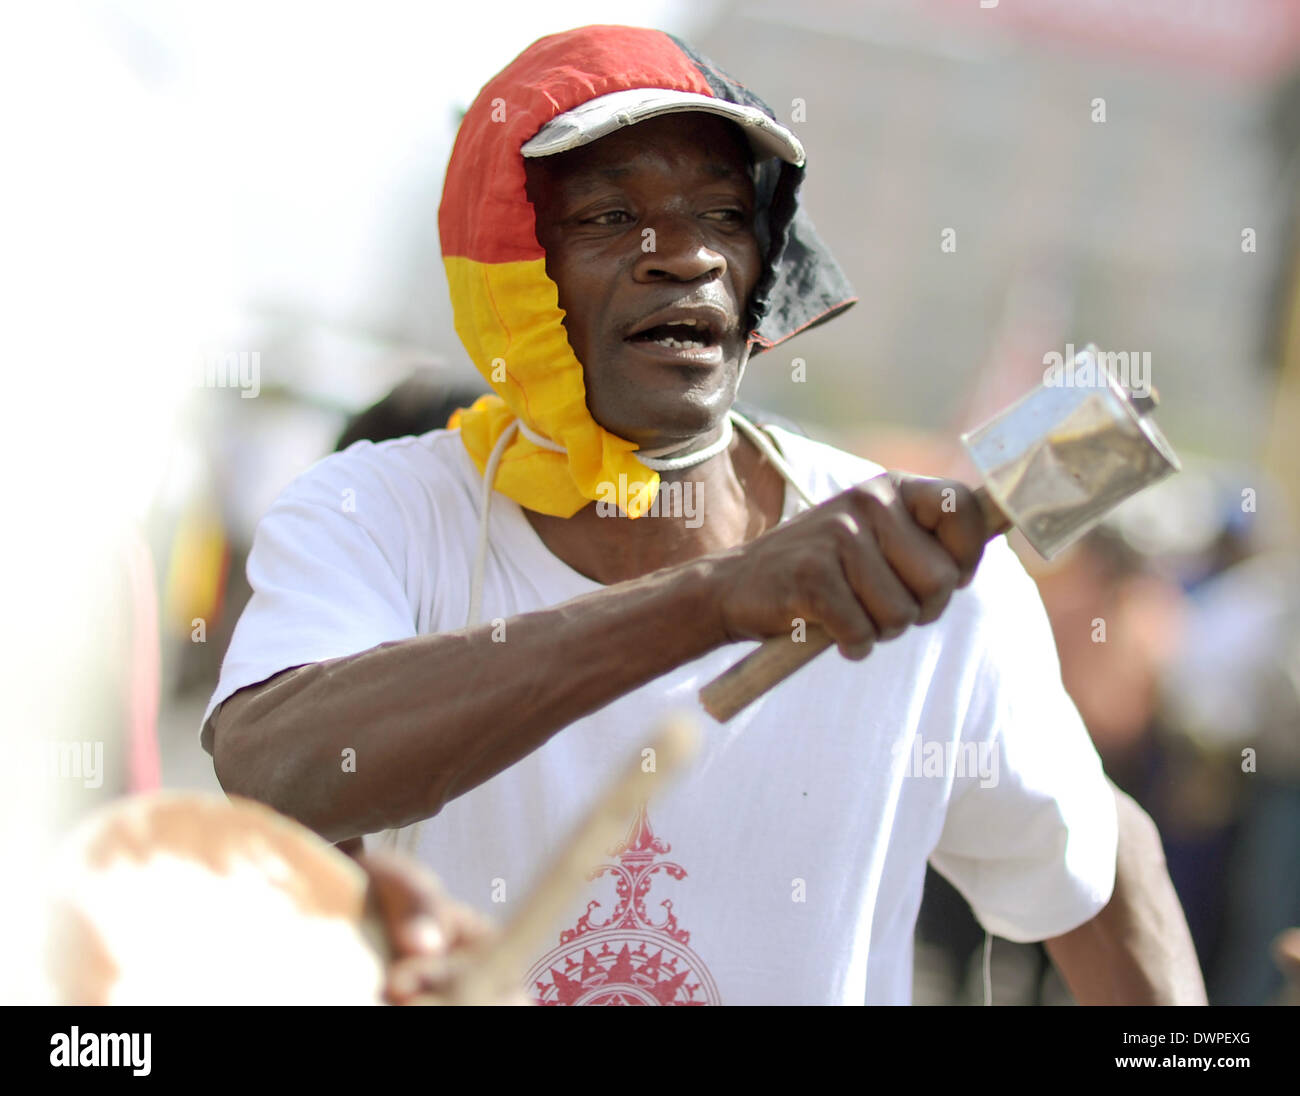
x,y
802,285
810,288
722,85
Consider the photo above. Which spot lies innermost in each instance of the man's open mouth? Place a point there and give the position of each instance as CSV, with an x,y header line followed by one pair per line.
x,y
682,328
680,336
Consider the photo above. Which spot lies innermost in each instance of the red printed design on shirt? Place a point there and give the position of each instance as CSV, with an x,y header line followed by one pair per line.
x,y
628,958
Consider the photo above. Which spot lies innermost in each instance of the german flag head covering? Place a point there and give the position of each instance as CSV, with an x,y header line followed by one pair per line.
x,y
563,91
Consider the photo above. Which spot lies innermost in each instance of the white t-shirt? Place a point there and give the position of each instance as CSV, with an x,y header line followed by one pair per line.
x,y
786,866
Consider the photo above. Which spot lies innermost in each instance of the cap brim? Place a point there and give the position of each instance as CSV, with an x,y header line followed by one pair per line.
x,y
603,115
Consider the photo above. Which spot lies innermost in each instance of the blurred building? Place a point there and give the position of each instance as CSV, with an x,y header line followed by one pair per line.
x,y
1128,232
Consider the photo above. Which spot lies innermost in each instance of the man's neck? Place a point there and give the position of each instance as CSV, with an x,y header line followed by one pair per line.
x,y
719,504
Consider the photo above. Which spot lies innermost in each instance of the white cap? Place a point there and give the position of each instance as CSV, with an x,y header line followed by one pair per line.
x,y
599,117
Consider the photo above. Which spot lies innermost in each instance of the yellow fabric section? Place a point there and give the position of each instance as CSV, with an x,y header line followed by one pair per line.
x,y
509,318
195,571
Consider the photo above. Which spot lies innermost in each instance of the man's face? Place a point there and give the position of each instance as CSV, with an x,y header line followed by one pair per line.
x,y
649,236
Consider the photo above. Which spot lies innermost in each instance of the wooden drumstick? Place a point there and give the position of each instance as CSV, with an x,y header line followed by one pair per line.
x,y
491,974
780,656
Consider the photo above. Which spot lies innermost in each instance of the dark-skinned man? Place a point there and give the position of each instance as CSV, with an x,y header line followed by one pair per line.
x,y
485,622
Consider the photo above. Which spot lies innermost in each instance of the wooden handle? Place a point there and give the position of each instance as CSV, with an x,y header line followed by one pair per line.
x,y
780,656
491,975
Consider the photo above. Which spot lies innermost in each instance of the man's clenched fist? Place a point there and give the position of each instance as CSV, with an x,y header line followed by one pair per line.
x,y
865,565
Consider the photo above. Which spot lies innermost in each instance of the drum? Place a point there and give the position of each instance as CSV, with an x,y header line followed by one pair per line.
x,y
190,898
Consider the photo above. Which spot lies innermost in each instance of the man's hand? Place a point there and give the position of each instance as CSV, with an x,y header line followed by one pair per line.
x,y
427,931
865,565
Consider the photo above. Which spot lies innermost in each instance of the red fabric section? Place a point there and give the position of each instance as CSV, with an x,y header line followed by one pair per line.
x,y
143,685
485,214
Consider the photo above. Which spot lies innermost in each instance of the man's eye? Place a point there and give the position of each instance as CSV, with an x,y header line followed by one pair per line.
x,y
609,217
733,215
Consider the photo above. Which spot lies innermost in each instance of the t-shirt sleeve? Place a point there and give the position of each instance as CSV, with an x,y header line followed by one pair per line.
x,y
326,570
1031,839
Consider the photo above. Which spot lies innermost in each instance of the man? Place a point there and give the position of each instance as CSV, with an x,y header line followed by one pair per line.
x,y
467,621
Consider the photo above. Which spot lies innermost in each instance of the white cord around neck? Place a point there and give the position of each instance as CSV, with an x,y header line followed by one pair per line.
x,y
654,459
538,439
480,549
672,464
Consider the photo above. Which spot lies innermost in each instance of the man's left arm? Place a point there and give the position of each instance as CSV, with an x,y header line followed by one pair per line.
x,y
1138,950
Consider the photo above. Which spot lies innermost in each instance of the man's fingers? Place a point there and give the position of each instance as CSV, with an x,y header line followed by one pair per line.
x,y
951,512
832,603
920,560
427,930
881,592
866,565
410,904
415,977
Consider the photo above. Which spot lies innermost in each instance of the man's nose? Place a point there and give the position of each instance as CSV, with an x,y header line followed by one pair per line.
x,y
677,249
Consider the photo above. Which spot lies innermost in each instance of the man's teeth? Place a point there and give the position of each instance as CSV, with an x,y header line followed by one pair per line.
x,y
687,342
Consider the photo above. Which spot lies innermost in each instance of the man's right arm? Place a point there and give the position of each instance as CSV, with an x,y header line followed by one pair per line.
x,y
431,717
434,716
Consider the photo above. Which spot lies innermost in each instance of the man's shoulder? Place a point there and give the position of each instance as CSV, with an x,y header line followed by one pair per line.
x,y
429,466
822,469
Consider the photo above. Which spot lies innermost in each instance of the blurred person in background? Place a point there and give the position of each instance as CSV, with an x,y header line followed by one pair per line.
x,y
1233,700
419,403
1195,683
1115,619
1177,629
